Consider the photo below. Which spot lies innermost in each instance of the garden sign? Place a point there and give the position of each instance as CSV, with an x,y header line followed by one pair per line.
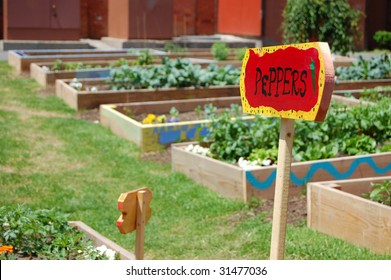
x,y
135,213
290,82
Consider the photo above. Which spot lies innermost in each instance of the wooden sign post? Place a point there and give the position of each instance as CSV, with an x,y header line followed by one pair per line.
x,y
290,82
136,211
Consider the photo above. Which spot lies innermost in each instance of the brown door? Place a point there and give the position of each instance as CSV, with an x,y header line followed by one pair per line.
x,y
206,17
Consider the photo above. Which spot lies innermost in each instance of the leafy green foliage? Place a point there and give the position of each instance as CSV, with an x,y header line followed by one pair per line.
x,y
144,58
220,51
345,131
332,21
172,47
59,65
239,53
172,73
261,154
383,39
381,192
378,67
375,94
235,137
42,234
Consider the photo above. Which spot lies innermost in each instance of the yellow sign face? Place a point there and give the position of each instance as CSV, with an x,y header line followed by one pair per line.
x,y
289,81
127,204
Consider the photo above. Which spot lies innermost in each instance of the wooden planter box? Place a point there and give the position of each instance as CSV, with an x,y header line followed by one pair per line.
x,y
234,182
337,208
48,78
21,60
99,240
156,137
89,100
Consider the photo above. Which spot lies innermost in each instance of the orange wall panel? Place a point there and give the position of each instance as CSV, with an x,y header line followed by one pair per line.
x,y
118,19
239,17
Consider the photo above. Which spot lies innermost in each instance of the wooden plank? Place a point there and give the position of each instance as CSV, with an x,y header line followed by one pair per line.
x,y
348,167
218,176
350,217
280,208
120,124
99,240
140,229
361,84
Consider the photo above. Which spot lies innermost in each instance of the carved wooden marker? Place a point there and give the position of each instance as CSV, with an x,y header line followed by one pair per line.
x,y
136,211
290,82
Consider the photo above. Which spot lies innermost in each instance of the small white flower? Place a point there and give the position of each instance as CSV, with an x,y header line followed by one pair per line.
x,y
94,89
103,250
110,254
6,225
76,84
45,68
266,162
189,148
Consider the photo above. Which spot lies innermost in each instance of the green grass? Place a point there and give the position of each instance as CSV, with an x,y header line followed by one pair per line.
x,y
51,159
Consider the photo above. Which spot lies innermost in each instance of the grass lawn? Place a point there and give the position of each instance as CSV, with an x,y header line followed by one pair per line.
x,y
49,158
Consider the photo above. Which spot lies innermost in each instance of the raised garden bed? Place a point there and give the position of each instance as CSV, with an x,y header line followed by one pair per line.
x,y
21,60
157,136
337,208
43,74
89,99
234,182
99,240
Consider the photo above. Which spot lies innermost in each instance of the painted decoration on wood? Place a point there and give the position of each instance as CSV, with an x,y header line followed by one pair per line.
x,y
351,167
127,204
289,81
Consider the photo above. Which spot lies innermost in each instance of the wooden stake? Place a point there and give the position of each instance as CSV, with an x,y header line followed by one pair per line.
x,y
277,248
140,228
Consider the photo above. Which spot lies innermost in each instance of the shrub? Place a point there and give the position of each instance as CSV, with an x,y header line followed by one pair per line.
x,y
383,39
331,21
220,51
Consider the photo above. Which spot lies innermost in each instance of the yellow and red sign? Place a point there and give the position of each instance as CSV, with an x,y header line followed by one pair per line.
x,y
289,81
127,204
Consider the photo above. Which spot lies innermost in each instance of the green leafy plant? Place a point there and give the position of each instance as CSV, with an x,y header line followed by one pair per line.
x,y
57,65
120,62
261,155
42,234
383,39
144,58
172,73
239,53
172,47
378,67
345,131
75,66
381,192
174,113
220,51
335,22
